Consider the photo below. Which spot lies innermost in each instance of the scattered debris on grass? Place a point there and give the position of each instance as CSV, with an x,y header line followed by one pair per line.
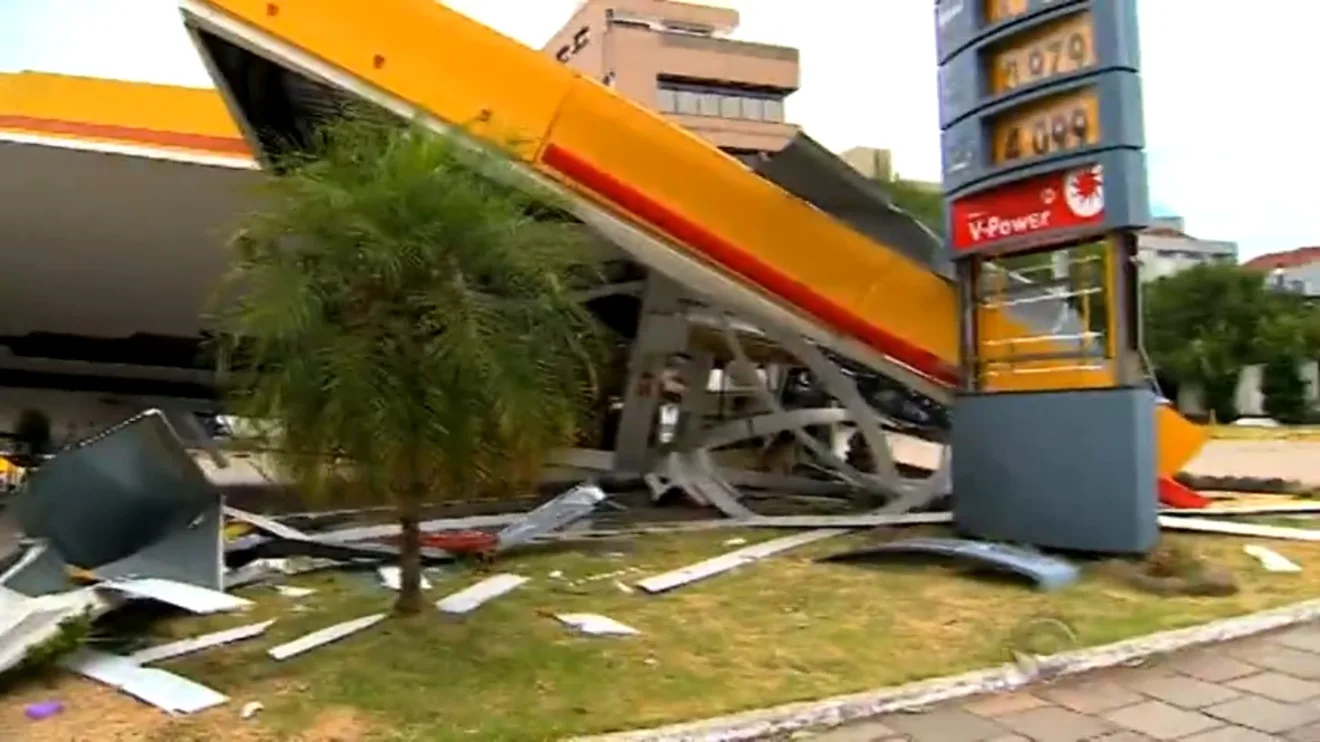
x,y
593,624
42,710
1048,572
1171,569
391,578
170,548
294,592
320,638
171,650
166,691
1270,559
471,598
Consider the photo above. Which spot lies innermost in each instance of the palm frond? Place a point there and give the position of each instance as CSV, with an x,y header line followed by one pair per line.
x,y
395,305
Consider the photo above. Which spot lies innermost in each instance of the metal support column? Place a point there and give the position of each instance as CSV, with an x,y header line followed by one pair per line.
x,y
662,330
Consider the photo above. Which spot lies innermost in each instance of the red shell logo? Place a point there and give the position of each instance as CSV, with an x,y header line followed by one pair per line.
x,y
1084,191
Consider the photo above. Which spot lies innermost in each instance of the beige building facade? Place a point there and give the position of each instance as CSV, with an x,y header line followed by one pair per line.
x,y
675,58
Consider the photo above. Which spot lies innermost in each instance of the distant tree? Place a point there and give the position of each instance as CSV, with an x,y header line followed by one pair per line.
x,y
402,318
925,204
1204,324
1284,391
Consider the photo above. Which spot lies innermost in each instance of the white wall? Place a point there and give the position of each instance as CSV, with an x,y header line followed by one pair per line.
x,y
1248,399
75,415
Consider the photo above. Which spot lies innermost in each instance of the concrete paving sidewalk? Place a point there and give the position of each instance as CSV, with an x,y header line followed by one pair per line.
x,y
1261,689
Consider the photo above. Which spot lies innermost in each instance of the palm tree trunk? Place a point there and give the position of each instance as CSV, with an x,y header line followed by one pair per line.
x,y
410,546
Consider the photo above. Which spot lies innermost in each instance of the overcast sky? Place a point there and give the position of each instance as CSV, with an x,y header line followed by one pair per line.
x,y
1227,107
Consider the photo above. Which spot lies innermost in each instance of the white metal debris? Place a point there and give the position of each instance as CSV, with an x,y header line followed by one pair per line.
x,y
324,636
1230,528
197,643
594,624
164,690
472,597
366,533
268,525
250,709
725,562
27,622
293,591
1270,559
391,577
188,597
1282,508
561,511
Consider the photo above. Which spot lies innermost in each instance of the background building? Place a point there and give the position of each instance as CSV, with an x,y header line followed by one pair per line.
x,y
1295,270
673,57
1165,248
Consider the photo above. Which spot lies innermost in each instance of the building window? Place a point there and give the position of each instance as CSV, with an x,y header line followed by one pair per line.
x,y
722,101
688,102
666,100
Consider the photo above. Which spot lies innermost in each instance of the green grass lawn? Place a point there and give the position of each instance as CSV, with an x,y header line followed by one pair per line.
x,y
786,629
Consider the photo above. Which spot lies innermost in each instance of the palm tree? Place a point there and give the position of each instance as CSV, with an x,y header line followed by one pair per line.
x,y
400,317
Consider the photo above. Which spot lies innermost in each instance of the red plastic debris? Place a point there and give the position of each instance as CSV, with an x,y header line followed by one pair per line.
x,y
1174,494
461,542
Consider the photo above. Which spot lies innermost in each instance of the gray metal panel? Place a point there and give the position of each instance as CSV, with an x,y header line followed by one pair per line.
x,y
115,494
193,554
1048,572
45,575
808,170
963,84
1071,469
967,148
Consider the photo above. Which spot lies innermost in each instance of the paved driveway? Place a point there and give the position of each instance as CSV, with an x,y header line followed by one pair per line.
x,y
1263,689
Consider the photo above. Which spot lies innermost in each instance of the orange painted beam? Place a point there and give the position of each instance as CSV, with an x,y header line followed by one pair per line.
x,y
116,111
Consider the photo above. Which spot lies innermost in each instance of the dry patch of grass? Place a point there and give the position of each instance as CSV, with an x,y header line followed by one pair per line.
x,y
782,630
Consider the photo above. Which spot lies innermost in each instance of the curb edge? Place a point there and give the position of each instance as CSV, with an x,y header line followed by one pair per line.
x,y
838,710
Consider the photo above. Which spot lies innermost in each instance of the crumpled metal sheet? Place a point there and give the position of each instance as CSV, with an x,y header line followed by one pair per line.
x,y
192,554
562,510
115,494
41,571
1048,572
26,622
191,598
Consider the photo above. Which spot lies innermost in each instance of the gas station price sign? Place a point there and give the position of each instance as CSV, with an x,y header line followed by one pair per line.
x,y
1039,88
1047,127
1060,48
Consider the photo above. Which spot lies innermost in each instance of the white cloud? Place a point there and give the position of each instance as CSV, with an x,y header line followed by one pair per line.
x,y
1226,92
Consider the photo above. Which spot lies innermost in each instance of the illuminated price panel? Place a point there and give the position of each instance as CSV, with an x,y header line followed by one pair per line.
x,y
1081,118
1039,92
1064,47
998,55
1048,127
